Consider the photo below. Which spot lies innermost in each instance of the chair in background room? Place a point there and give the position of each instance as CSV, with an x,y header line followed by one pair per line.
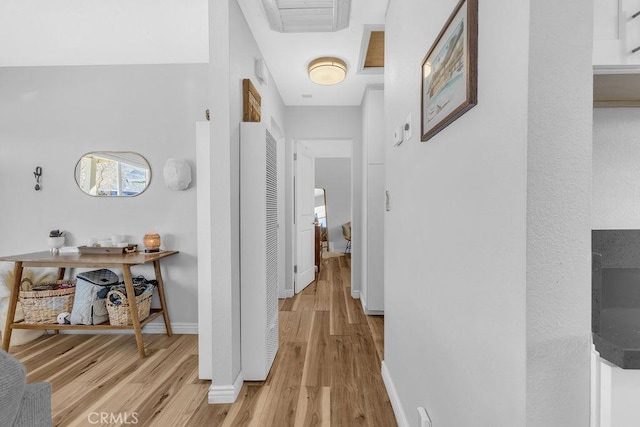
x,y
346,233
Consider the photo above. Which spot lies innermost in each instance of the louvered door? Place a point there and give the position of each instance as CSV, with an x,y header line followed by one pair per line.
x,y
259,250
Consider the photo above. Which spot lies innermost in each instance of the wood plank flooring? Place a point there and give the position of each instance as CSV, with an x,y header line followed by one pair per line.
x,y
326,372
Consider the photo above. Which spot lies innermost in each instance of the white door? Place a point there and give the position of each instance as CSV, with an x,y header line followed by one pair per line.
x,y
305,249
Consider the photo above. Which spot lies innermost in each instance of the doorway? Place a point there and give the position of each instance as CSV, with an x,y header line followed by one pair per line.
x,y
322,164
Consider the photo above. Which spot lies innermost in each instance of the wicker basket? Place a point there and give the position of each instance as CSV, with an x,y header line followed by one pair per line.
x,y
120,314
43,307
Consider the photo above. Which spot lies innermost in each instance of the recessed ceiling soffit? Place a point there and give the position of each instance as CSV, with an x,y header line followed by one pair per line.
x,y
303,16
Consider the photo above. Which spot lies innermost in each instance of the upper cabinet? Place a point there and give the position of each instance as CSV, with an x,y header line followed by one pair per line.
x,y
616,53
616,32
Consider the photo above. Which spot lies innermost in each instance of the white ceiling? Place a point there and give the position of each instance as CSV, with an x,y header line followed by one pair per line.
x,y
288,54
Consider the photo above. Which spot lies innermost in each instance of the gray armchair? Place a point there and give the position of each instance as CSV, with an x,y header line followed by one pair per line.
x,y
22,404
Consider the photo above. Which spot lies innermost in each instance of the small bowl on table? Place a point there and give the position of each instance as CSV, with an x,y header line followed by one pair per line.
x,y
55,243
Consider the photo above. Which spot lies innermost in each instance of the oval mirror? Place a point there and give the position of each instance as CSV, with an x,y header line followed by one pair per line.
x,y
113,173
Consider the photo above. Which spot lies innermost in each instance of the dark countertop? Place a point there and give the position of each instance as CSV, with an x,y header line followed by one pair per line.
x,y
618,340
615,287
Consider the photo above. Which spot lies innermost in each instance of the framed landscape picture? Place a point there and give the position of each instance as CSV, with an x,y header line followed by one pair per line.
x,y
450,71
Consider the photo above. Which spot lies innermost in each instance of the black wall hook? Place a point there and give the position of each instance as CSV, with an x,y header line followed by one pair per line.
x,y
38,174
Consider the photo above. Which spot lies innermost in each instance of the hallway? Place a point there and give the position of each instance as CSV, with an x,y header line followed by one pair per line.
x,y
327,371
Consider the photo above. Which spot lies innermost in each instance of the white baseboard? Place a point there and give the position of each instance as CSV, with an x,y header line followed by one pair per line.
x,y
227,393
371,312
151,328
177,328
355,294
401,417
289,293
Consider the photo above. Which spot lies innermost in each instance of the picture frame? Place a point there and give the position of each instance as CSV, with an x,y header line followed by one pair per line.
x,y
251,102
449,71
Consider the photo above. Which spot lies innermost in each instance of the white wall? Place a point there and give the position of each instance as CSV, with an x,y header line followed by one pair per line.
x,y
314,123
457,246
51,116
559,156
373,206
234,50
616,175
97,32
334,175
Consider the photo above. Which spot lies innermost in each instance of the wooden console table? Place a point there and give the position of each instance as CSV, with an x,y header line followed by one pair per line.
x,y
77,260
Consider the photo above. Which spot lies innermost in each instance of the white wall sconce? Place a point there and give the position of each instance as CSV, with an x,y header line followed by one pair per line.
x,y
177,174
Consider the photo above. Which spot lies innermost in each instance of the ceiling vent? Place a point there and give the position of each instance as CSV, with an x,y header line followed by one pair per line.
x,y
303,16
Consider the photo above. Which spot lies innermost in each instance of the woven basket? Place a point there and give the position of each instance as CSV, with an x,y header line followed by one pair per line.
x,y
43,307
120,314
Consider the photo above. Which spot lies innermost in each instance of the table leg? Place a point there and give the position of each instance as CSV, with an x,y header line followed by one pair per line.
x,y
133,308
13,303
163,302
61,271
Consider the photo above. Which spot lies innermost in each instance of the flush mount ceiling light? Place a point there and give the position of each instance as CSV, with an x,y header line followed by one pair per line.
x,y
327,71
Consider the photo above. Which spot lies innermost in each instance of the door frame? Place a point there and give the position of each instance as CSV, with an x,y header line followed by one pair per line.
x,y
321,148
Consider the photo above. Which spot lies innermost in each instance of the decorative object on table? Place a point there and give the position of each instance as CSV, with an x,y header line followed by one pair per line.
x,y
43,306
250,102
105,243
119,240
132,248
64,318
118,303
450,71
37,174
56,240
177,174
92,287
151,242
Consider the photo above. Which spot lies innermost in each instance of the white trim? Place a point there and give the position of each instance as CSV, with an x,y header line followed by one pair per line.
x,y
225,393
355,294
616,69
205,247
289,293
372,312
366,309
401,417
366,36
596,387
176,328
151,328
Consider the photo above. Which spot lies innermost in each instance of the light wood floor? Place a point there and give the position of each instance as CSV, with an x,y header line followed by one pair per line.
x,y
326,372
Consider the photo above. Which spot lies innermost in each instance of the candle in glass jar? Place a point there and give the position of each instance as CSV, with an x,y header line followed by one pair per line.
x,y
151,242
